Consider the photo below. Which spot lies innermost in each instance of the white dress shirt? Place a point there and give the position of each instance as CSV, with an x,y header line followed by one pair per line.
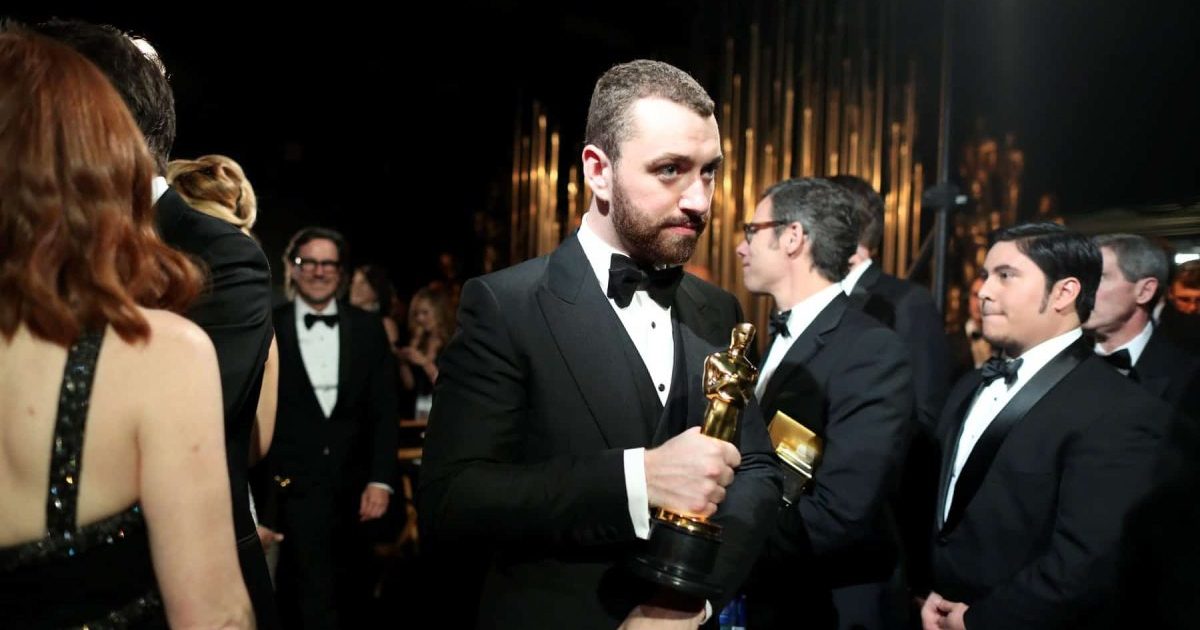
x,y
993,398
1135,346
852,278
799,320
319,348
649,326
158,186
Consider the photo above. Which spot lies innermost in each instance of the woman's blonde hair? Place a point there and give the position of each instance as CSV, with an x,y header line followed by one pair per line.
x,y
217,186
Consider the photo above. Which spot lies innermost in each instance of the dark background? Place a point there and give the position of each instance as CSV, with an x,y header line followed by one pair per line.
x,y
395,124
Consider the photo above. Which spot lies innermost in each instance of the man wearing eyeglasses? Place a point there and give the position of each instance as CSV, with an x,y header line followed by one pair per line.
x,y
333,459
833,556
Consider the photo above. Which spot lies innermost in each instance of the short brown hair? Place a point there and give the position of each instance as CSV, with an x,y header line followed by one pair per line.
x,y
1188,275
608,121
78,250
870,210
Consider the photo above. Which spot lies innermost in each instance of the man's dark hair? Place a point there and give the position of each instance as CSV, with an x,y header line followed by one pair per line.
x,y
870,210
1060,253
139,78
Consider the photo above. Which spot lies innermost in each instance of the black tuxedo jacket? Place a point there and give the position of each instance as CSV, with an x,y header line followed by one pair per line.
x,y
1172,373
235,311
847,378
356,444
908,309
538,397
1039,507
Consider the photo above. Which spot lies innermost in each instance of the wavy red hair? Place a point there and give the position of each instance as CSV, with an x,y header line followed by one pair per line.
x,y
78,247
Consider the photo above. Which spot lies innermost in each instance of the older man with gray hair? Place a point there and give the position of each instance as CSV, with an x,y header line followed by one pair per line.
x,y
1133,278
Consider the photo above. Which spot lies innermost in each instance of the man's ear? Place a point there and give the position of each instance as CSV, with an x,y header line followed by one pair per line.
x,y
598,172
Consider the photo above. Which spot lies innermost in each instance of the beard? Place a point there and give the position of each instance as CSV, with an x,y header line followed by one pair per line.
x,y
648,240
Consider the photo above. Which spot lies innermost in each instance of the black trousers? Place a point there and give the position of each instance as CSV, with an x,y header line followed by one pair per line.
x,y
324,575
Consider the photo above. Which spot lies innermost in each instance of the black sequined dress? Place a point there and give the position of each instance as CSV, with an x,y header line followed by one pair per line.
x,y
95,576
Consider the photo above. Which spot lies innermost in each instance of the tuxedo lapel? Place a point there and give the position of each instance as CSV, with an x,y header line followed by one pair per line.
x,y
588,334
345,353
1154,366
805,346
957,405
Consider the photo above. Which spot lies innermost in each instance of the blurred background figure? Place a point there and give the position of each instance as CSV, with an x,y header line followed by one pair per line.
x,y
371,290
430,324
969,348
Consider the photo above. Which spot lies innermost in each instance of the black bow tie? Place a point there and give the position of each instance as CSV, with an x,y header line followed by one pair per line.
x,y
996,368
313,318
625,277
778,324
1119,359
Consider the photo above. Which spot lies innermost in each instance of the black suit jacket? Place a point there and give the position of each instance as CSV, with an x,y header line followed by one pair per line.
x,y
1171,373
235,311
847,378
908,309
535,404
356,444
1035,539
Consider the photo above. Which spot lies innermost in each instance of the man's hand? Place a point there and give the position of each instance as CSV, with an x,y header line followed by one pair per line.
x,y
939,613
373,504
268,537
647,616
688,474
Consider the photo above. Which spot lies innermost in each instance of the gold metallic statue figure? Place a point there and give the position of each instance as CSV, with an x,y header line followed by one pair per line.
x,y
729,379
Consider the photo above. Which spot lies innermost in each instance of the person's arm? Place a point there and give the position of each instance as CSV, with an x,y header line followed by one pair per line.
x,y
235,311
382,406
393,333
748,513
431,355
268,399
866,436
184,483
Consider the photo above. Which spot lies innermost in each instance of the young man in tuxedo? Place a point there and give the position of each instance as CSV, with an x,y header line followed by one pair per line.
x,y
567,406
1135,272
833,556
235,311
1045,451
333,460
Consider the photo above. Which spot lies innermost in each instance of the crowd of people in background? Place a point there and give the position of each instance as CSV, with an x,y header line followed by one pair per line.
x,y
1033,465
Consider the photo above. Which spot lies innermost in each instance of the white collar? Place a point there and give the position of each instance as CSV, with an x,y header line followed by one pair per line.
x,y
854,275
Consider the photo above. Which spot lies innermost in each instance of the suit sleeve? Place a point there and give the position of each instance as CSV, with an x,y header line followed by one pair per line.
x,y
866,435
747,515
1105,471
919,324
383,405
474,484
235,311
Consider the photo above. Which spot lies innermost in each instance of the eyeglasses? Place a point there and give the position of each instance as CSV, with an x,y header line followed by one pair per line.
x,y
308,265
751,228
